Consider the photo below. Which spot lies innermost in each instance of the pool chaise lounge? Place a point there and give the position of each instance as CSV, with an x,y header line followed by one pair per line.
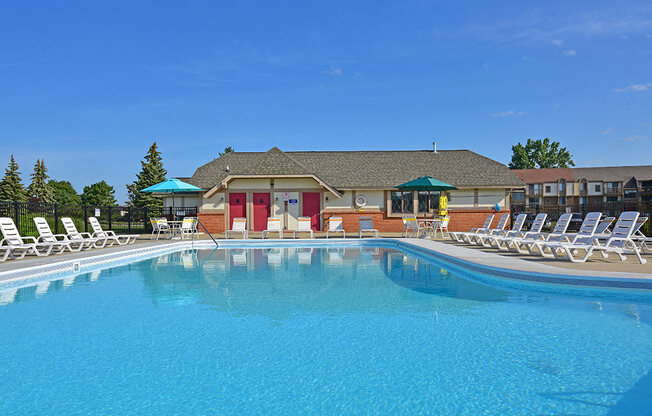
x,y
509,242
86,239
47,236
534,241
587,231
98,232
461,236
14,246
619,242
479,238
515,230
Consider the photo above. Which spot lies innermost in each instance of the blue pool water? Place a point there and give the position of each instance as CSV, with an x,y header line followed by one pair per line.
x,y
359,330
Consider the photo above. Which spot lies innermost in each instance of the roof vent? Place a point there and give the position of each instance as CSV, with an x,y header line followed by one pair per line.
x,y
227,168
434,147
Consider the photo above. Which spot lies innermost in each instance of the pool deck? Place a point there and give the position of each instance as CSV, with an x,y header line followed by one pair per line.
x,y
596,266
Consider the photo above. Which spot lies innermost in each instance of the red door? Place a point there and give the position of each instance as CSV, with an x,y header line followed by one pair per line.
x,y
311,208
261,211
237,207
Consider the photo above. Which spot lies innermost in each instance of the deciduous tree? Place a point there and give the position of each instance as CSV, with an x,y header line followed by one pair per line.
x,y
100,193
64,193
540,154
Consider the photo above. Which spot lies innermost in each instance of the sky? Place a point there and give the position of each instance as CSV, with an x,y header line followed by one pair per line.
x,y
88,86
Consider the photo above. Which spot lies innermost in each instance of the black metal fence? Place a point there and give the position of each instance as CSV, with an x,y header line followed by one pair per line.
x,y
119,218
613,209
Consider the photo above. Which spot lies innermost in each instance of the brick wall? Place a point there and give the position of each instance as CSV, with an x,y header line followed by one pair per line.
x,y
214,222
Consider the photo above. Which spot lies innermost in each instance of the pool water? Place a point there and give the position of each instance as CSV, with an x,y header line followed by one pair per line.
x,y
356,330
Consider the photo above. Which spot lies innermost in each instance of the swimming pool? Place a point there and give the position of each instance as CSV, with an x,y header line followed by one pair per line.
x,y
316,330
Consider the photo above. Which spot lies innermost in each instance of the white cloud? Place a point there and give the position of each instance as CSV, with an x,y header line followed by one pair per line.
x,y
508,113
336,71
635,87
558,42
629,138
608,131
569,52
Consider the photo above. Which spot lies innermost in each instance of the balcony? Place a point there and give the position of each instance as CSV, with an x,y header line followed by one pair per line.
x,y
646,190
534,191
614,190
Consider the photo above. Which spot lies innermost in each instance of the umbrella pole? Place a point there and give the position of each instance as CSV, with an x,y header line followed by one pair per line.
x,y
174,212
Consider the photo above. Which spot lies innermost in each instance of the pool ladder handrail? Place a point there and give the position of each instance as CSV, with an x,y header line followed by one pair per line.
x,y
209,234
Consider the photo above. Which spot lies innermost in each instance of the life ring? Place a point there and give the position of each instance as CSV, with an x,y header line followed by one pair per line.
x,y
360,201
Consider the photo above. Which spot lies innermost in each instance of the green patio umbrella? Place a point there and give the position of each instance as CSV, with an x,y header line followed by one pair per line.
x,y
426,183
172,186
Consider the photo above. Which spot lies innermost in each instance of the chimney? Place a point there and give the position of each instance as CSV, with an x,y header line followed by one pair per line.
x,y
434,147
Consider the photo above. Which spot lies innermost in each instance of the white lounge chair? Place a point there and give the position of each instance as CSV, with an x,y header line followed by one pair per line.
x,y
85,239
304,226
273,226
641,239
619,242
367,226
335,226
98,232
441,226
159,225
509,242
46,236
405,219
534,244
477,238
13,244
239,227
459,236
513,232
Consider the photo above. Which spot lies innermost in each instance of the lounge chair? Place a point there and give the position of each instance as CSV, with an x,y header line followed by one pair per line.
x,y
641,238
509,242
534,244
513,232
335,226
239,227
477,238
159,225
619,242
273,226
85,239
98,232
304,226
188,227
12,243
405,219
46,236
367,226
459,236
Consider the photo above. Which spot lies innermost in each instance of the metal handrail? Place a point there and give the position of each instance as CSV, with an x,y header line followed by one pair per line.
x,y
209,234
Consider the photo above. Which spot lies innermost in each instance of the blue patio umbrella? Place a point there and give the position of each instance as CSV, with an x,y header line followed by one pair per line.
x,y
171,186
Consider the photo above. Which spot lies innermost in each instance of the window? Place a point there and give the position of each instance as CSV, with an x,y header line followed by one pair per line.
x,y
562,186
629,193
533,200
582,186
598,188
535,189
402,202
518,195
582,200
428,201
548,189
614,184
562,200
612,199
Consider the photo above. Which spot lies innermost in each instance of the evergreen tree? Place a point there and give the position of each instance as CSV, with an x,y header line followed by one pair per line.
x,y
11,186
100,193
64,193
39,190
152,172
227,149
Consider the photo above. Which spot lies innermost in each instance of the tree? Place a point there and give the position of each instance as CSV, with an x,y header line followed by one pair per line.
x,y
100,193
64,193
540,154
151,173
227,149
39,190
11,186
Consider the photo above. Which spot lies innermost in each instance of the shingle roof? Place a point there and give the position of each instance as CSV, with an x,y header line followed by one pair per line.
x,y
362,169
545,175
614,173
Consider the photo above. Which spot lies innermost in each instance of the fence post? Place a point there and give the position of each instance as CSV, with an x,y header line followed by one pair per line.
x,y
129,218
16,215
109,217
56,219
85,218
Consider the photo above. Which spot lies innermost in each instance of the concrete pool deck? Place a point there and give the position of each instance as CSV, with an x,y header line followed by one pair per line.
x,y
598,267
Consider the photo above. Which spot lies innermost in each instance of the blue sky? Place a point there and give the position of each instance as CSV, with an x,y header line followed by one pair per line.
x,y
89,86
